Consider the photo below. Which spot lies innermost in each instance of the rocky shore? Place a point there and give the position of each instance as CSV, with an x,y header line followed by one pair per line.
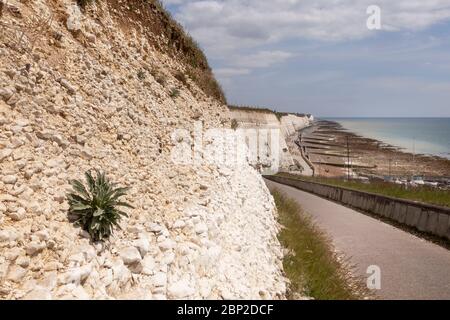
x,y
326,143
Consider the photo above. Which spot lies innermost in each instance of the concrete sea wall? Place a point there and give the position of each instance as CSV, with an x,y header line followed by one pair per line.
x,y
433,220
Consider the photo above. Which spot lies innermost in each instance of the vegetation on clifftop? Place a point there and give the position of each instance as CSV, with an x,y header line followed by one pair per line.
x,y
178,43
152,15
250,108
264,110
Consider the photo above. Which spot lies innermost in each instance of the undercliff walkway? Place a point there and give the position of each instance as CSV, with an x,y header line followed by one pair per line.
x,y
411,268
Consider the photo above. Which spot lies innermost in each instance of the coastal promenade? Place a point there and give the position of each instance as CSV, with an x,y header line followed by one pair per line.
x,y
411,268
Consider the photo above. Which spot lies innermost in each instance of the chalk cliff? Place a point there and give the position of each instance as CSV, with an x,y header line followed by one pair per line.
x,y
279,153
105,86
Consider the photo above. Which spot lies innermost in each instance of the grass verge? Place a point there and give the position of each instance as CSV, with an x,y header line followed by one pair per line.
x,y
423,194
311,265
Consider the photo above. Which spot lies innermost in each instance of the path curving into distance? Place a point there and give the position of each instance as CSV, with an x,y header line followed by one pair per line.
x,y
411,268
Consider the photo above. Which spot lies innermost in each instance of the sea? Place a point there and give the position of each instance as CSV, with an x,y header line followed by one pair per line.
x,y
429,136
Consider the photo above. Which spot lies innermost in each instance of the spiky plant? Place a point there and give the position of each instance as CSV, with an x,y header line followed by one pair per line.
x,y
174,93
234,124
141,75
97,205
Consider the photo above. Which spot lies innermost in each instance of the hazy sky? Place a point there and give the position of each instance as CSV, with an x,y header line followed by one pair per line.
x,y
319,56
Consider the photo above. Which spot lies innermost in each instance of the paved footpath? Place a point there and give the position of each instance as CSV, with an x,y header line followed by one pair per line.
x,y
411,268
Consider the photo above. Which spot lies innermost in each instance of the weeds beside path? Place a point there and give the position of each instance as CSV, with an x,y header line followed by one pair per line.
x,y
311,265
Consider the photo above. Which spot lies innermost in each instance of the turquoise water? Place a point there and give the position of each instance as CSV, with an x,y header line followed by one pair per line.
x,y
422,135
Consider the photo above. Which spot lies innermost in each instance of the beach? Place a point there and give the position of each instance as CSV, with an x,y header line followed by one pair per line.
x,y
330,147
430,136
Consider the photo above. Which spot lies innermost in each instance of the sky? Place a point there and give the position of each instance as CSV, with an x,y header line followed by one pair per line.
x,y
320,57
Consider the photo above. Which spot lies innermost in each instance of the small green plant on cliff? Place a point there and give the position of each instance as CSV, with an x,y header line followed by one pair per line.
x,y
174,93
234,124
141,75
96,205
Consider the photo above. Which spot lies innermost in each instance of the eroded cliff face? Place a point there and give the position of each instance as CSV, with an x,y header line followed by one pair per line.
x,y
97,89
274,146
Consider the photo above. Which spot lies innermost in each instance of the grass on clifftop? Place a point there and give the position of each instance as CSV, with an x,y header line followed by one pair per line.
x,y
151,17
278,114
423,194
312,266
